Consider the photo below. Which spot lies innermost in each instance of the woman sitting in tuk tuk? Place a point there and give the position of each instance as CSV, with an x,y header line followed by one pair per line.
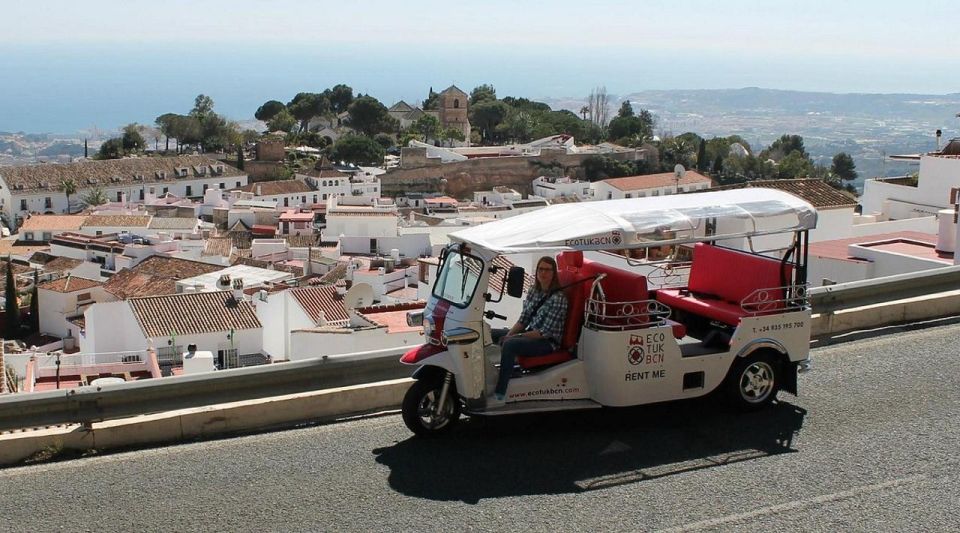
x,y
539,330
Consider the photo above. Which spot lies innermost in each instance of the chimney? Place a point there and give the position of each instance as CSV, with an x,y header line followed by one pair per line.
x,y
939,134
238,289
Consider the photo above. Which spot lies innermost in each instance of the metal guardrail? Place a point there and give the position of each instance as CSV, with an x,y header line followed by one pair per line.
x,y
92,404
833,298
89,404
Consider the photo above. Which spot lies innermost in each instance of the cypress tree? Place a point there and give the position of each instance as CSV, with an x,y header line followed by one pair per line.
x,y
12,329
239,158
718,164
702,156
35,304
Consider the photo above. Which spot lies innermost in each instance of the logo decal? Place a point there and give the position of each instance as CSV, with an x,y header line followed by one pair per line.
x,y
636,352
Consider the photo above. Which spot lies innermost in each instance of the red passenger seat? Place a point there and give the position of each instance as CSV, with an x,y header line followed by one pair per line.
x,y
721,279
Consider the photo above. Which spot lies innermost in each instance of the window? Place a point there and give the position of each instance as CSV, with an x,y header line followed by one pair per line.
x,y
609,195
23,205
656,193
456,103
28,236
47,236
119,196
628,195
205,187
324,196
141,194
314,198
238,184
189,190
99,233
221,185
165,189
47,202
324,183
286,201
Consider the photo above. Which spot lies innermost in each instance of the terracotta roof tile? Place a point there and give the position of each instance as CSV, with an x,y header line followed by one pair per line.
x,y
174,267
132,171
131,284
69,284
118,221
192,314
653,181
819,193
53,222
181,223
61,264
274,188
218,246
323,298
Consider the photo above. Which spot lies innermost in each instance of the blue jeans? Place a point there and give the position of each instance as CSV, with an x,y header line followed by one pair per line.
x,y
513,347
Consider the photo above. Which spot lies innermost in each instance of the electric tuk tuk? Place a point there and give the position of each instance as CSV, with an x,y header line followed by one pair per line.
x,y
706,291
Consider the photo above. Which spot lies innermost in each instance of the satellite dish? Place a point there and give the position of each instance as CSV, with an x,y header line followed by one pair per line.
x,y
360,295
679,171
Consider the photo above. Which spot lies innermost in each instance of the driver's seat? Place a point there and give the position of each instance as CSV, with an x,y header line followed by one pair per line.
x,y
568,271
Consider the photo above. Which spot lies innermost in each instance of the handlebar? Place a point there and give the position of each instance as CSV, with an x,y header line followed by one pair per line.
x,y
491,314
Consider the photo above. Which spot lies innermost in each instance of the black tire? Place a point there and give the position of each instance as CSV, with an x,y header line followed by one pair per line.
x,y
418,405
753,381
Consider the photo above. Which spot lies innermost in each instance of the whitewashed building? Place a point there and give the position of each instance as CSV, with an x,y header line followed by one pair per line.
x,y
39,188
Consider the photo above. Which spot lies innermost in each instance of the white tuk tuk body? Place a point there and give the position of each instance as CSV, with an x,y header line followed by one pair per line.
x,y
649,330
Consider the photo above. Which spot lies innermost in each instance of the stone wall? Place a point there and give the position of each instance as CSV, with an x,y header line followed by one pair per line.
x,y
460,179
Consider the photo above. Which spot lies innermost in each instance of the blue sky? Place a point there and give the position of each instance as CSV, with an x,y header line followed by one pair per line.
x,y
92,62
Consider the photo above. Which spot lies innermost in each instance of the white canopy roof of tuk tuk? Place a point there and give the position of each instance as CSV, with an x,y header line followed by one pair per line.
x,y
613,224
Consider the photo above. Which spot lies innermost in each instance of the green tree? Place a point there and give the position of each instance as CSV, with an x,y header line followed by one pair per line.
x,y
166,124
843,167
487,115
626,110
783,146
702,162
240,160
384,140
132,139
340,97
718,165
306,106
483,93
369,117
358,149
428,126
794,165
12,330
432,101
202,107
636,127
69,189
268,110
599,167
250,136
35,303
282,121
675,151
111,149
95,197
452,134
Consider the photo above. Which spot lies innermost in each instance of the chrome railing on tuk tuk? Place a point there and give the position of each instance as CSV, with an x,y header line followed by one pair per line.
x,y
770,300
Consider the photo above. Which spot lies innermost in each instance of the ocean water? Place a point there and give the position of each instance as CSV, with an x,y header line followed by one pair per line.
x,y
65,88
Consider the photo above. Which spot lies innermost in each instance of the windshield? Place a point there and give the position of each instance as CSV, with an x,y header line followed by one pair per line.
x,y
458,278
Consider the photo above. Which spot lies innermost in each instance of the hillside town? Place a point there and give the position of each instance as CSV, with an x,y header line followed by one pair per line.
x,y
117,267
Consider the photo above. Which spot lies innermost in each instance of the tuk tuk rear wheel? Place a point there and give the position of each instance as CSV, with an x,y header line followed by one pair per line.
x,y
754,381
420,411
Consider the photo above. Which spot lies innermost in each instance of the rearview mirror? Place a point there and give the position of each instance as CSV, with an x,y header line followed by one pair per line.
x,y
515,282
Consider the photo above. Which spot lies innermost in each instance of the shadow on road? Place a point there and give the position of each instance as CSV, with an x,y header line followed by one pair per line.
x,y
584,450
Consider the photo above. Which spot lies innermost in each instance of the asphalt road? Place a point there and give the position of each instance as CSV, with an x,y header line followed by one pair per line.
x,y
870,445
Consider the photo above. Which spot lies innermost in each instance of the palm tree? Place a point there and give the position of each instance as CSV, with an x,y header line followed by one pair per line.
x,y
95,197
69,188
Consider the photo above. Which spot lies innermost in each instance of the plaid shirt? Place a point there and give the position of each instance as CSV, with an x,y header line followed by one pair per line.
x,y
550,316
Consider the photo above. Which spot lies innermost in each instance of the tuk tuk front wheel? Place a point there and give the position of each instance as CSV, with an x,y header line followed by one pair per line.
x,y
754,381
421,412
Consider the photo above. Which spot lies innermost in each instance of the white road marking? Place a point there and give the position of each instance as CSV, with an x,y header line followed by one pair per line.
x,y
798,504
